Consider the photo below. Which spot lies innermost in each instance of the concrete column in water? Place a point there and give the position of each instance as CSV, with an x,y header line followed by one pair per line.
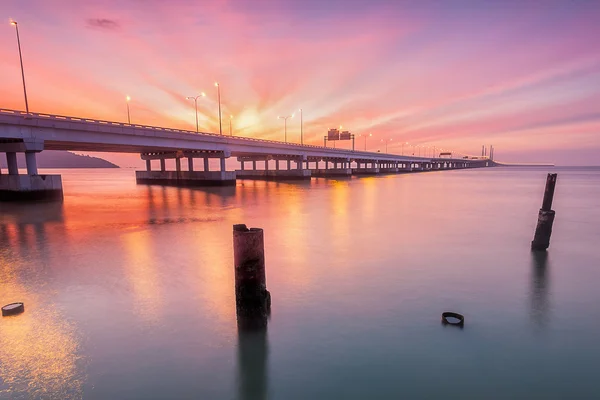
x,y
178,164
31,163
254,165
190,164
163,167
299,164
276,165
242,165
326,164
249,264
11,161
206,166
266,164
543,230
148,165
289,164
223,167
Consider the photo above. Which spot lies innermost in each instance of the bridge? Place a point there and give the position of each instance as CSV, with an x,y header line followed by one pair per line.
x,y
31,133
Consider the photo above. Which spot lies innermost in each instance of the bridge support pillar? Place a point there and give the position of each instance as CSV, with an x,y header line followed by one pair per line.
x,y
190,177
31,163
242,165
278,173
11,161
222,164
30,186
148,165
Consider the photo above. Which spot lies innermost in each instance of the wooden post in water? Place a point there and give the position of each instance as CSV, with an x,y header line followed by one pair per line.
x,y
249,261
543,231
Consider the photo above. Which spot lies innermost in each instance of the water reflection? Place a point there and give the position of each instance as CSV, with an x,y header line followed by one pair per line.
x,y
540,307
253,348
39,349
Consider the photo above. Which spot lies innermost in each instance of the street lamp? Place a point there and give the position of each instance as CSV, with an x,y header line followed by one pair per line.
x,y
128,114
365,135
285,124
301,133
219,95
195,98
14,23
230,131
386,143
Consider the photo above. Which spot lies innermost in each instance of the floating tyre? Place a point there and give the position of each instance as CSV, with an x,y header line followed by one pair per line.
x,y
13,309
452,318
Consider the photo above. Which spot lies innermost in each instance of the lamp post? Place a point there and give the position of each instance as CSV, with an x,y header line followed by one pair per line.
x,y
195,98
128,114
14,23
285,124
301,133
230,130
365,135
219,96
386,143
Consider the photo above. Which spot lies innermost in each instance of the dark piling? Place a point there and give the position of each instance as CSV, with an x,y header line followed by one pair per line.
x,y
251,292
543,231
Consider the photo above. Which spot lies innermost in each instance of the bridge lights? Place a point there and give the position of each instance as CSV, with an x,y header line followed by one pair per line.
x,y
285,124
365,135
301,133
386,143
195,98
128,114
219,97
14,23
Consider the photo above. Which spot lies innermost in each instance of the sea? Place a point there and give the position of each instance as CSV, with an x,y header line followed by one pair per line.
x,y
129,289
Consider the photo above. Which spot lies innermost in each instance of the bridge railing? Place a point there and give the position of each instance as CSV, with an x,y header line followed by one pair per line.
x,y
151,127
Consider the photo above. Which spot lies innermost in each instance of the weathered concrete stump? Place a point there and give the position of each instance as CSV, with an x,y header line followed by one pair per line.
x,y
543,231
251,292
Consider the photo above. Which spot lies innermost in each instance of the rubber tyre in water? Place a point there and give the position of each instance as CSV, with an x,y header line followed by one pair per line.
x,y
448,314
13,309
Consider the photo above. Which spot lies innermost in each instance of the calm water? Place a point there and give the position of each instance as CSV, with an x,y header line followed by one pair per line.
x,y
129,289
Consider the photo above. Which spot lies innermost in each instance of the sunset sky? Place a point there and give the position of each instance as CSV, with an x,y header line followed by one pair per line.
x,y
521,75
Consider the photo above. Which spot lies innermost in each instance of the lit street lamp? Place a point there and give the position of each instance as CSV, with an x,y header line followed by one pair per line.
x,y
365,135
301,133
386,143
285,124
14,23
195,98
219,95
128,114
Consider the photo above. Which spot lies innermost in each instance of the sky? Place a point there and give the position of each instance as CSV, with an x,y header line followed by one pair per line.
x,y
523,75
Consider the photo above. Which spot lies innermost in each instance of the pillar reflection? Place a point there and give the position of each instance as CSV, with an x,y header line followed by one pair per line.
x,y
253,349
540,307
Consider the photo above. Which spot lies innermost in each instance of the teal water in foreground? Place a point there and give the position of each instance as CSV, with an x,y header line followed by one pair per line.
x,y
128,289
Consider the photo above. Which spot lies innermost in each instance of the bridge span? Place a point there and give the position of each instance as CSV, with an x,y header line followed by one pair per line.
x,y
34,132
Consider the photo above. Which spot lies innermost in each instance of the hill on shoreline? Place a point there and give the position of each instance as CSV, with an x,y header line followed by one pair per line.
x,y
62,159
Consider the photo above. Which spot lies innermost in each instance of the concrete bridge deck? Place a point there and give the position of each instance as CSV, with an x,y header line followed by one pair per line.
x,y
35,132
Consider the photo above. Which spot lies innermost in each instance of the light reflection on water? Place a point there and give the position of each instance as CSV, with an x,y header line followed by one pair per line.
x,y
129,289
